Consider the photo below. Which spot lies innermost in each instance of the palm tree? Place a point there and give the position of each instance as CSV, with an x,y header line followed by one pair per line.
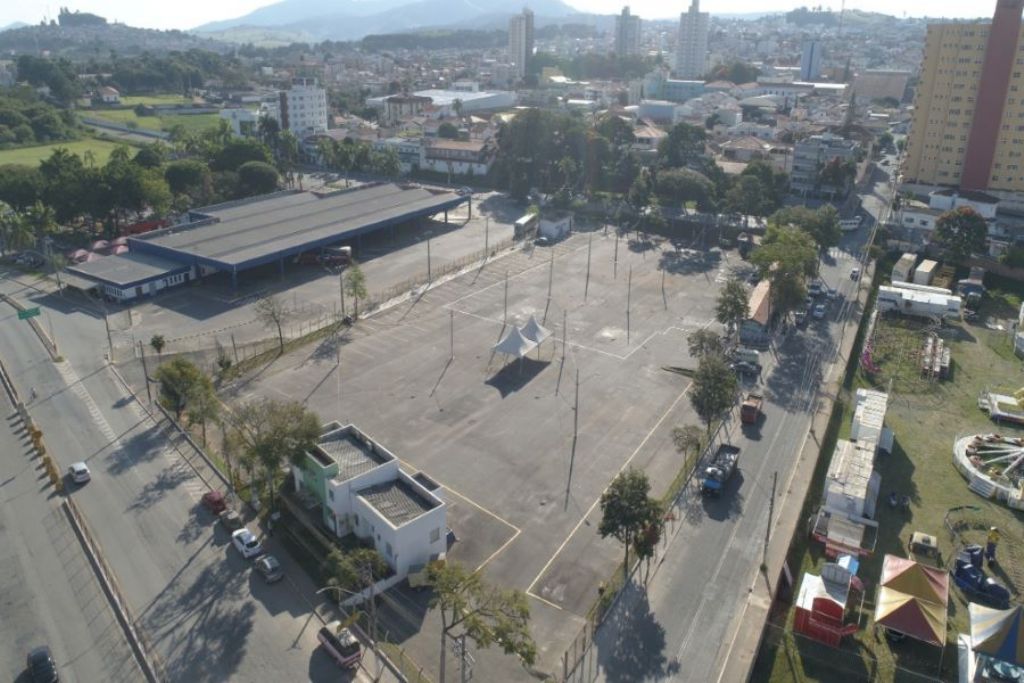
x,y
41,220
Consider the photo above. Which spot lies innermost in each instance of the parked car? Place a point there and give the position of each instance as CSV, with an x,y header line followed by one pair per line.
x,y
855,274
246,543
79,473
543,241
231,520
819,311
340,644
270,569
214,502
800,318
464,191
41,666
815,289
743,367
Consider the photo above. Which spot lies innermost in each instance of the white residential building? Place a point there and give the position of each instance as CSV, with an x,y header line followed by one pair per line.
x,y
361,490
302,109
810,61
627,34
520,41
692,43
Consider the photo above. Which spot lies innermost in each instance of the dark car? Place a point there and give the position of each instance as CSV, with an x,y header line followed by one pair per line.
x,y
231,520
41,665
743,367
214,502
269,568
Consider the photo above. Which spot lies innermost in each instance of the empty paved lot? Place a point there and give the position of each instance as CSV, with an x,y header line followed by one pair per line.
x,y
498,433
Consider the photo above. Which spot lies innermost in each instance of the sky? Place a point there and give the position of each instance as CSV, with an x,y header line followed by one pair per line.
x,y
185,14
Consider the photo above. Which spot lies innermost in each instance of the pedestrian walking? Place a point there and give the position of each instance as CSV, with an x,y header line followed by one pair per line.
x,y
990,545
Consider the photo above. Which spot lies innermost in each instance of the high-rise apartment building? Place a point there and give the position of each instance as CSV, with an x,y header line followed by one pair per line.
x,y
627,34
968,125
692,43
810,61
302,109
520,41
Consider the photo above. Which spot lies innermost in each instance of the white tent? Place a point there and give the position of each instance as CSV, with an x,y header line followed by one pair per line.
x,y
534,331
515,344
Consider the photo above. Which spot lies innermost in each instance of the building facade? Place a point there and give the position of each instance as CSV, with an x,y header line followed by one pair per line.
x,y
968,125
627,34
302,109
810,157
520,41
811,60
692,43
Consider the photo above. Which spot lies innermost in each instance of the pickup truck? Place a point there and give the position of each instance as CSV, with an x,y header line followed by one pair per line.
x,y
341,644
750,409
721,468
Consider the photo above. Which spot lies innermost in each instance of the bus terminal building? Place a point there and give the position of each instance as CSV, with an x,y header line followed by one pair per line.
x,y
239,236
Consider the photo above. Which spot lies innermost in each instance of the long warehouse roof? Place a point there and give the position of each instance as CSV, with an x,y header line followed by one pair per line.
x,y
257,232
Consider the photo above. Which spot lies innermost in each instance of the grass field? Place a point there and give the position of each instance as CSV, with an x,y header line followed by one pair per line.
x,y
127,117
31,156
131,101
926,417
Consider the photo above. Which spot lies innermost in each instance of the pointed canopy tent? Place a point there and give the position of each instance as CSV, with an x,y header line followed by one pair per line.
x,y
534,331
912,600
998,633
913,578
911,616
78,255
514,344
120,241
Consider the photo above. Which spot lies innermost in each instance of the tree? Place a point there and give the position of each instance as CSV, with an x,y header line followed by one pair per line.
x,y
180,381
747,197
151,156
821,224
257,177
962,231
688,439
704,342
885,140
627,510
681,185
15,230
158,343
486,614
448,131
734,72
203,405
683,146
238,151
355,570
188,177
20,186
355,286
787,257
714,389
271,433
42,221
733,304
272,312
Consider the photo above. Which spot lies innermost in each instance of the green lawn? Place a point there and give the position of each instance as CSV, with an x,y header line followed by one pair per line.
x,y
125,117
31,156
926,417
131,101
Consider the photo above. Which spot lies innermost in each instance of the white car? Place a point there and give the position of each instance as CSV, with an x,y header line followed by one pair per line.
x,y
819,311
246,543
79,473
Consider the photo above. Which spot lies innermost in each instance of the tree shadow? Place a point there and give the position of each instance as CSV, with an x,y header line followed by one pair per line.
x,y
196,526
516,374
140,447
688,261
729,502
168,479
638,651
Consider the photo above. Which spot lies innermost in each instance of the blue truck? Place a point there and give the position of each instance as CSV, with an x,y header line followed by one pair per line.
x,y
716,474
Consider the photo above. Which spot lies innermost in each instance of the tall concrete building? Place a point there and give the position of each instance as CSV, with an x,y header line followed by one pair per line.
x,y
302,109
692,43
627,34
520,41
810,61
968,125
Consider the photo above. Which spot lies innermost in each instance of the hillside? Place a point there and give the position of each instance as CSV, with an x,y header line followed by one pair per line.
x,y
352,19
88,41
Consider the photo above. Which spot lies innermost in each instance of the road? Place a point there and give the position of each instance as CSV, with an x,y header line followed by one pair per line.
x,y
50,594
206,616
680,628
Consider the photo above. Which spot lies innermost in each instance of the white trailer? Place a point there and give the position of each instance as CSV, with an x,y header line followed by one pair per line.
x,y
918,303
924,273
904,268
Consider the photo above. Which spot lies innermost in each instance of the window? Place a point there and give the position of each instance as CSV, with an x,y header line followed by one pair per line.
x,y
387,549
435,535
330,494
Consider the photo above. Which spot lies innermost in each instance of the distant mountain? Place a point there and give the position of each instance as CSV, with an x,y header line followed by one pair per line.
x,y
16,24
353,19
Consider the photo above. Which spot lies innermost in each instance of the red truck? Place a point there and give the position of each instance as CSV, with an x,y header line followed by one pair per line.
x,y
750,410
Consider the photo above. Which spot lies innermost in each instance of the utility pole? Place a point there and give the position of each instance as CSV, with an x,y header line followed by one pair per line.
x,y
664,299
145,371
429,278
551,279
487,236
575,437
586,287
110,341
341,287
771,511
337,369
615,262
629,296
504,320
452,336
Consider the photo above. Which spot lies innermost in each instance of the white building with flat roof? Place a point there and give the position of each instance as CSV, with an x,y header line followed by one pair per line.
x,y
692,43
520,41
302,109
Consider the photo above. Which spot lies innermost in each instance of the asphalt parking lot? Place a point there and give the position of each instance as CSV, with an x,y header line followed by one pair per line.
x,y
498,433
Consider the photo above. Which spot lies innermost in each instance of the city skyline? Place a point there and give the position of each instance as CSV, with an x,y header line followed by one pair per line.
x,y
190,13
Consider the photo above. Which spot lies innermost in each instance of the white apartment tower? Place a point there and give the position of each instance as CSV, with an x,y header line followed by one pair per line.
x,y
810,61
627,34
302,109
692,43
520,41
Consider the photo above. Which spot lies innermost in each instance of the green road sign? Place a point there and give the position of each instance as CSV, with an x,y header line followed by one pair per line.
x,y
28,313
